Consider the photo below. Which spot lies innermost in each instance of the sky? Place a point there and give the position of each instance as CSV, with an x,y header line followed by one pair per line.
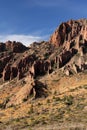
x,y
35,20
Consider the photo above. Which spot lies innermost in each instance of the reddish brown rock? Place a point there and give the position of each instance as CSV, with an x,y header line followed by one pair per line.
x,y
3,62
14,73
60,35
64,58
23,93
70,39
67,31
14,46
7,72
2,47
67,72
75,68
47,66
20,75
39,67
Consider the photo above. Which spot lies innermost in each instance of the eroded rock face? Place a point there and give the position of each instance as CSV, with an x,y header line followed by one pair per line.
x,y
14,73
66,51
61,34
31,90
7,72
23,93
26,65
2,47
4,61
66,32
14,46
72,37
67,47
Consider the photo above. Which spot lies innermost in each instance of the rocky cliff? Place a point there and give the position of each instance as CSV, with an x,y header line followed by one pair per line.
x,y
66,51
71,36
47,81
67,43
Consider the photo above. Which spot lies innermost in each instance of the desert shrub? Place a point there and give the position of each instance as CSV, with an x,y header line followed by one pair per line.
x,y
55,92
68,100
3,104
85,86
17,119
58,99
31,110
25,99
12,105
48,100
39,104
46,55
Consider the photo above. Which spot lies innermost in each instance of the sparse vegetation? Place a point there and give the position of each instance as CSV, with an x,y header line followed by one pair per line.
x,y
68,100
48,100
17,119
30,97
25,99
85,86
31,110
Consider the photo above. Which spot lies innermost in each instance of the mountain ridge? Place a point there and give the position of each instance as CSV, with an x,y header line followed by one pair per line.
x,y
43,72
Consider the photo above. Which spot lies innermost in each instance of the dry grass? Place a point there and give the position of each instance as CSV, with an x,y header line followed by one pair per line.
x,y
67,98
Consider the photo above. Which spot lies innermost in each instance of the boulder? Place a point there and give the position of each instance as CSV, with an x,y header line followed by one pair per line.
x,y
23,94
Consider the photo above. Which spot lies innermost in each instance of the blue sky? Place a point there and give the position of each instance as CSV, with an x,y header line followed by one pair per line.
x,y
35,20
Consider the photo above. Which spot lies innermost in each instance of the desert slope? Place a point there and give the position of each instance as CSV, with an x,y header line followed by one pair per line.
x,y
45,83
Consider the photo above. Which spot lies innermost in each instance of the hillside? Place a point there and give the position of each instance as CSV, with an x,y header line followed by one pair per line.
x,y
44,86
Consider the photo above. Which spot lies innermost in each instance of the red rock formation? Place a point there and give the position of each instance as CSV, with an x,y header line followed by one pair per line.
x,y
47,66
2,47
3,62
67,31
70,39
60,35
14,46
14,73
39,67
24,92
7,72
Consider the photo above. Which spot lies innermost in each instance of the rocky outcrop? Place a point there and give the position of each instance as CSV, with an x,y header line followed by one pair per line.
x,y
65,52
4,61
23,94
67,48
14,46
61,34
7,72
66,32
26,65
14,73
2,47
71,36
31,90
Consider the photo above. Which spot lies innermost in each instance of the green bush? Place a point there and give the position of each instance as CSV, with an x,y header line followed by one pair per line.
x,y
25,99
85,86
31,110
48,100
68,100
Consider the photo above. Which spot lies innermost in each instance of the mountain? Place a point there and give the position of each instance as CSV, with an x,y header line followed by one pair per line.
x,y
45,83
